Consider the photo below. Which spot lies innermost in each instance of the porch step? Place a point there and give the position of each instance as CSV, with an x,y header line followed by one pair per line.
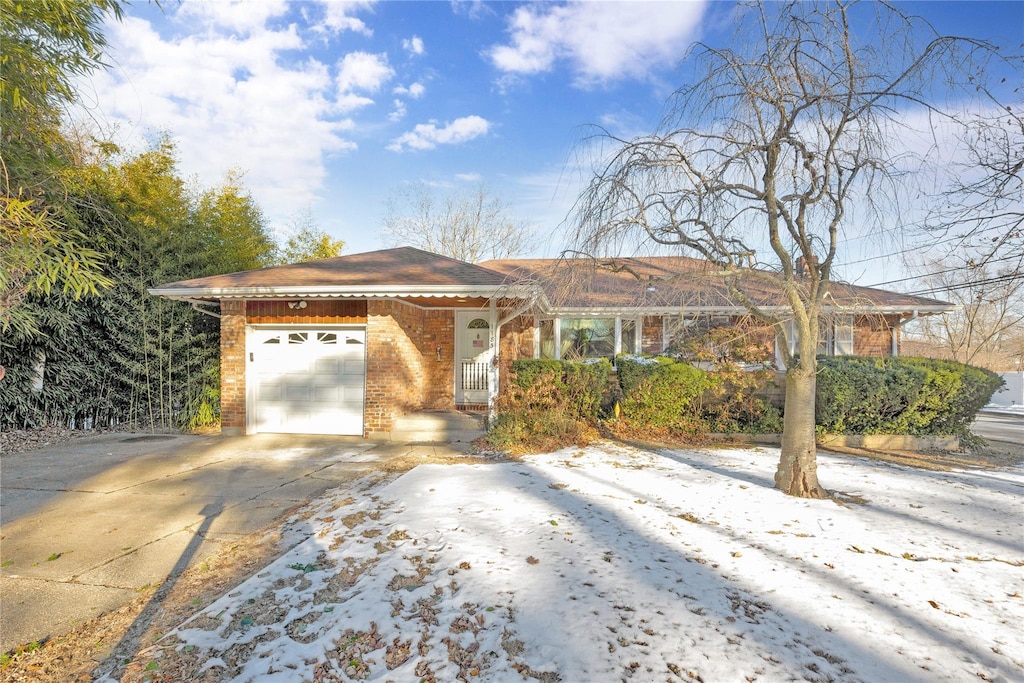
x,y
438,426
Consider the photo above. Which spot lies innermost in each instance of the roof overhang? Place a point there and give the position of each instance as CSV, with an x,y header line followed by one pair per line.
x,y
634,311
352,292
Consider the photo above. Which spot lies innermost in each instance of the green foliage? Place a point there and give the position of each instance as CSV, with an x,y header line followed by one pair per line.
x,y
548,404
124,356
663,392
235,229
307,242
46,47
738,402
900,395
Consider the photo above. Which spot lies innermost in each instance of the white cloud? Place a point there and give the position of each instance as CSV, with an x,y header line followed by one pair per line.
x,y
414,91
602,41
413,45
474,9
363,71
228,101
338,17
240,16
429,136
469,177
399,112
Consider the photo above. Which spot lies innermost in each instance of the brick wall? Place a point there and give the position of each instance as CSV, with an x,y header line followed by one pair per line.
x,y
516,342
652,335
232,367
872,334
403,373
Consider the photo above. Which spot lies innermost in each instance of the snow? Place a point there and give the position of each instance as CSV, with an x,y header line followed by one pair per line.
x,y
617,563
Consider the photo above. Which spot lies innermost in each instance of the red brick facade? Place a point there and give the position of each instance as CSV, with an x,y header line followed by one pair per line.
x,y
403,373
652,335
232,367
872,334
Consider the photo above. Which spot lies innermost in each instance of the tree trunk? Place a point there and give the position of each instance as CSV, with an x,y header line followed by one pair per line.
x,y
797,474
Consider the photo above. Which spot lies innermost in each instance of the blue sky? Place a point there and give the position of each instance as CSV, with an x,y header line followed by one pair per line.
x,y
334,107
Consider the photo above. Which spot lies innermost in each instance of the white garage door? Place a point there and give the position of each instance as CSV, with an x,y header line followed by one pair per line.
x,y
308,381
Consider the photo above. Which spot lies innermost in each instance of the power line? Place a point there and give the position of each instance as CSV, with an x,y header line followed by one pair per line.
x,y
947,270
915,248
967,285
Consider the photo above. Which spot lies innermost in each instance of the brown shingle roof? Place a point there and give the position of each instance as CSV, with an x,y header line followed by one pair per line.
x,y
650,283
666,282
400,267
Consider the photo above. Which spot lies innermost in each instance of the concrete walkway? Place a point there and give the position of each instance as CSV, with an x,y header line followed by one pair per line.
x,y
85,525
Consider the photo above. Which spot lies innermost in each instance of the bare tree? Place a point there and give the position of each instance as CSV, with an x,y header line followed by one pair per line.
x,y
473,226
980,203
760,161
990,319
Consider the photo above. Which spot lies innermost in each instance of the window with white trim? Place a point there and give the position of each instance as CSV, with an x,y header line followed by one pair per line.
x,y
835,336
578,338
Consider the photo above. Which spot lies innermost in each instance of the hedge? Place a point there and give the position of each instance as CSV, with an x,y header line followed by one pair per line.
x,y
901,395
548,403
663,392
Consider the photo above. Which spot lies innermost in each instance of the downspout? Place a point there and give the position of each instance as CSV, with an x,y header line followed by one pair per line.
x,y
896,333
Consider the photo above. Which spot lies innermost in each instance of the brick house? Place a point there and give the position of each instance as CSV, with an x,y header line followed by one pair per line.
x,y
349,344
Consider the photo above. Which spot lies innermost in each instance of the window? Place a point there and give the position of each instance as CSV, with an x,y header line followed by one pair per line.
x,y
576,338
835,336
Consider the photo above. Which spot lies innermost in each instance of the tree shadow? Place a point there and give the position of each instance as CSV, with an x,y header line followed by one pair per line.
x,y
131,642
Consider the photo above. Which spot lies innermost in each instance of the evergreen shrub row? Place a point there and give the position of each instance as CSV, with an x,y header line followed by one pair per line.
x,y
548,403
901,395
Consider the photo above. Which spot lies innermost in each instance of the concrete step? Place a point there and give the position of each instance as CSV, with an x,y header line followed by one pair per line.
x,y
438,426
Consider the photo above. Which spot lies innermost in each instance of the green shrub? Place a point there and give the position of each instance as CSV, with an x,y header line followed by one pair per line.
x,y
663,392
548,404
739,402
900,395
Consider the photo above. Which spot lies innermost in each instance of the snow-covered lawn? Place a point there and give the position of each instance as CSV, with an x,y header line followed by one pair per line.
x,y
610,563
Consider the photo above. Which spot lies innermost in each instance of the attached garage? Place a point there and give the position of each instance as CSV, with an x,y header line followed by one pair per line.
x,y
306,380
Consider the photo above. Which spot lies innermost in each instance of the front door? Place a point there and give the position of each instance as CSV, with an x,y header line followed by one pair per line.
x,y
473,356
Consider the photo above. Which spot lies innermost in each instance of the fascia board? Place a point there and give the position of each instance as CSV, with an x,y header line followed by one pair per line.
x,y
448,291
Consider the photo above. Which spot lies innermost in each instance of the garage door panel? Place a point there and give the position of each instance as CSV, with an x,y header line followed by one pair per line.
x,y
327,394
309,381
326,366
354,367
270,392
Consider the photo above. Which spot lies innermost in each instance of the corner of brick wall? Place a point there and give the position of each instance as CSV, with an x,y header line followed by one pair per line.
x,y
403,374
232,367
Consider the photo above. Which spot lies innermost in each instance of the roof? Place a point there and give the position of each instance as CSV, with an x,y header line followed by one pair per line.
x,y
388,272
674,283
562,286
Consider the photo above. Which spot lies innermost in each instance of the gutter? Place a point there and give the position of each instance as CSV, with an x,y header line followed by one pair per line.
x,y
316,291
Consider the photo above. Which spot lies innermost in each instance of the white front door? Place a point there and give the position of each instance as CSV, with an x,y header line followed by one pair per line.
x,y
473,356
307,380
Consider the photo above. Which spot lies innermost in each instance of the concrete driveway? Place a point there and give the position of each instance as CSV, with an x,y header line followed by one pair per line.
x,y
85,525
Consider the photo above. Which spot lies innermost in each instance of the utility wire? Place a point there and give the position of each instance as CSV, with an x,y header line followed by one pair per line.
x,y
947,270
938,289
